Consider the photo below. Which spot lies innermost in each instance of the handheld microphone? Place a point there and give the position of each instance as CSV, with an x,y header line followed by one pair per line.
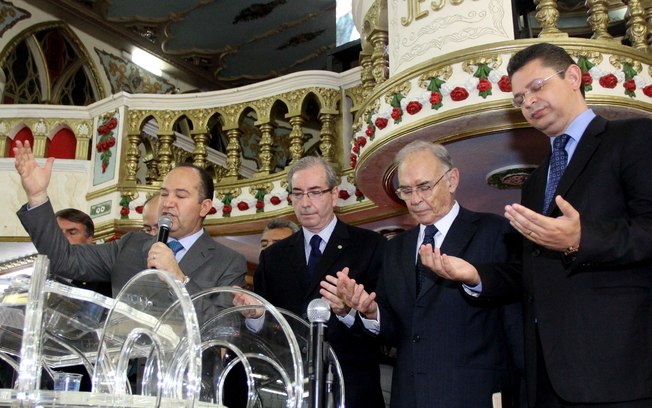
x,y
318,314
164,225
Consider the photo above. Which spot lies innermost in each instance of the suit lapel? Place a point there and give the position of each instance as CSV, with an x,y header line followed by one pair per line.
x,y
583,153
535,188
338,244
408,260
297,269
198,253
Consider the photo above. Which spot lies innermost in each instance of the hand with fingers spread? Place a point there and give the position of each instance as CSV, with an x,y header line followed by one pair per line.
x,y
557,234
34,178
329,293
355,295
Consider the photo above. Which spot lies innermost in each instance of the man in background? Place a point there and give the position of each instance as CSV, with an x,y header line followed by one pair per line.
x,y
78,227
150,215
277,230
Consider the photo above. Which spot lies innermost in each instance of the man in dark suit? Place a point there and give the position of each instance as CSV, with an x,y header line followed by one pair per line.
x,y
186,197
586,216
452,351
290,272
78,227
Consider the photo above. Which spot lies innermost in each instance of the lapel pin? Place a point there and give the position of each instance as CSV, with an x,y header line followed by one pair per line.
x,y
339,247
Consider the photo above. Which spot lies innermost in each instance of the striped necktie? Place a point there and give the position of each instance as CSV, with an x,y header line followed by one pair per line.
x,y
428,238
558,162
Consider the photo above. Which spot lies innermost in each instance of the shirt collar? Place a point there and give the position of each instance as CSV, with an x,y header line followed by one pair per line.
x,y
188,241
443,225
578,126
324,234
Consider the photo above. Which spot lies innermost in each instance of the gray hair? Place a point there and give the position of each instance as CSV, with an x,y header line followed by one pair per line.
x,y
313,161
280,223
436,149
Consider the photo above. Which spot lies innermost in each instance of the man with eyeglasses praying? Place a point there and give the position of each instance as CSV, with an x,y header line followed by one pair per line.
x,y
452,351
289,273
586,221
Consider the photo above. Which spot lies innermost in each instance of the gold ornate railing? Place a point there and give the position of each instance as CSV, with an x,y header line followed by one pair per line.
x,y
246,137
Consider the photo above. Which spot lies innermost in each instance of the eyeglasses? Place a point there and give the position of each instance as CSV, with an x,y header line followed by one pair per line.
x,y
424,189
312,194
535,86
149,228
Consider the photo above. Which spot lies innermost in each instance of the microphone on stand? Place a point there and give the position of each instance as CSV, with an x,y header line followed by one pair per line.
x,y
164,225
318,314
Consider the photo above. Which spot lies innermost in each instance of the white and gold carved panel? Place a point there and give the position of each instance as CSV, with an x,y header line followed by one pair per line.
x,y
420,30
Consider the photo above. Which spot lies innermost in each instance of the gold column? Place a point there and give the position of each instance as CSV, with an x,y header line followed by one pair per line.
x,y
165,153
366,73
151,177
547,16
233,152
327,136
636,28
40,140
199,154
3,144
265,154
296,137
133,154
379,58
647,7
81,150
598,19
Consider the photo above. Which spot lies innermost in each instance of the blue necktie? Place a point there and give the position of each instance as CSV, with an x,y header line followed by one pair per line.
x,y
428,238
315,255
175,246
557,166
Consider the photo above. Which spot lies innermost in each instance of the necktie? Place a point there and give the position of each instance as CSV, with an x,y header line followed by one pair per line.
x,y
428,238
315,255
175,246
557,166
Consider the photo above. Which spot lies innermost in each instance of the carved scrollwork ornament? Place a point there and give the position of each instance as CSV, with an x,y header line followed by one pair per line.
x,y
593,57
135,120
295,99
619,61
263,108
329,97
220,194
443,73
470,66
403,88
199,117
357,95
266,187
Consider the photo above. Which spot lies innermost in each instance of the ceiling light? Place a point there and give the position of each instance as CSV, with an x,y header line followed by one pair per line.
x,y
147,61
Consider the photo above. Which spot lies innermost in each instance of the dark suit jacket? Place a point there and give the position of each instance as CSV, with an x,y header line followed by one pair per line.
x,y
207,263
593,312
452,350
281,278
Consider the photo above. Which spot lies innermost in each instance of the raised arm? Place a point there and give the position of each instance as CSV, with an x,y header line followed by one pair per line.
x,y
34,178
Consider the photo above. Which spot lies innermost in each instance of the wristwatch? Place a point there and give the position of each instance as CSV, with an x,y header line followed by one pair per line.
x,y
186,279
572,250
